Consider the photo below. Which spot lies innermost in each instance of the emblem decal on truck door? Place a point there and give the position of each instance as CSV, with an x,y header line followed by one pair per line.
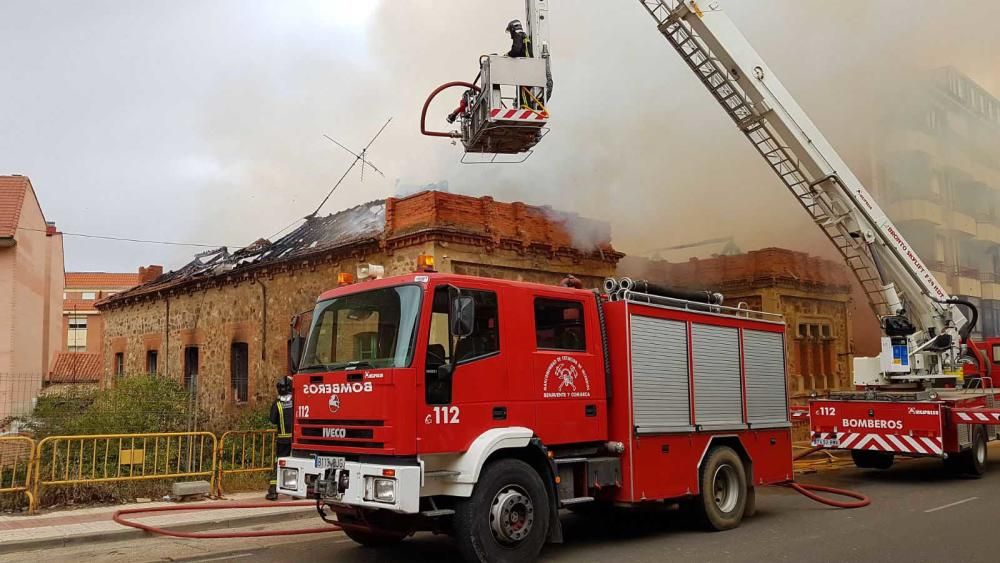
x,y
565,378
334,403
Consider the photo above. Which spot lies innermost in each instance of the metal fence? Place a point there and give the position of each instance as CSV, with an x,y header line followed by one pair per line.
x,y
245,452
85,460
17,462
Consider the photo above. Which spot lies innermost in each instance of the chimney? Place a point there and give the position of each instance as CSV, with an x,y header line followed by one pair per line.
x,y
50,228
149,273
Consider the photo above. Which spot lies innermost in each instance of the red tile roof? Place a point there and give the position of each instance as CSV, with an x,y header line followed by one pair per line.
x,y
79,305
12,190
76,367
101,280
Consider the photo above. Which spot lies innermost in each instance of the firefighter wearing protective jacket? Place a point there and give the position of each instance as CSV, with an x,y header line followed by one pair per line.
x,y
520,43
281,416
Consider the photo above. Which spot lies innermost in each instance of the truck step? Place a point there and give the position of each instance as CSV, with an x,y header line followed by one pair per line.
x,y
577,500
438,512
560,460
440,474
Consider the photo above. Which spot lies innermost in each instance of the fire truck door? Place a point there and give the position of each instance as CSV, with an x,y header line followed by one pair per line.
x,y
465,375
567,371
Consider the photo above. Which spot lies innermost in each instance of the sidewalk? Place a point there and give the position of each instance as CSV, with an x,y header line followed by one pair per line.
x,y
60,528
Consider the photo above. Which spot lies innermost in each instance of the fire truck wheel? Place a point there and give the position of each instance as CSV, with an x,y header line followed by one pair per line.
x,y
973,460
376,537
751,507
723,498
866,459
507,517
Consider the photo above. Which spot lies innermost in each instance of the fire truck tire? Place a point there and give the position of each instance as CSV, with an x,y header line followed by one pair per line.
x,y
506,519
723,499
751,507
376,537
866,459
973,460
370,538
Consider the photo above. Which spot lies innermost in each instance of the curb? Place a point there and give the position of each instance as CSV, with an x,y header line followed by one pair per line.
x,y
127,533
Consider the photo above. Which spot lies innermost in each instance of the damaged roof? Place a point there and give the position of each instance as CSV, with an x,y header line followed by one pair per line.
x,y
365,222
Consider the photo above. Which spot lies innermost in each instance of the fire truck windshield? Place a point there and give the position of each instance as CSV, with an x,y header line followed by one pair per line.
x,y
371,329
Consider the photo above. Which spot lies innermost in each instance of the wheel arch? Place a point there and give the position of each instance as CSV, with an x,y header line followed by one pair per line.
x,y
732,441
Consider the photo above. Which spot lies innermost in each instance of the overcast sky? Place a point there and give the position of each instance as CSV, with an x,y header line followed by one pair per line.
x,y
202,121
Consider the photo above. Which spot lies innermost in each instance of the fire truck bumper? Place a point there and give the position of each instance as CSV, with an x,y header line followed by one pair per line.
x,y
361,485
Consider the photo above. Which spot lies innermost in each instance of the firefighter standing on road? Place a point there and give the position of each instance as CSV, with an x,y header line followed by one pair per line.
x,y
281,416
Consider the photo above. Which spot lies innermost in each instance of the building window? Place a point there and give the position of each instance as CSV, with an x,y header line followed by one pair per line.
x,y
151,359
191,368
559,325
119,364
239,370
366,345
76,336
89,295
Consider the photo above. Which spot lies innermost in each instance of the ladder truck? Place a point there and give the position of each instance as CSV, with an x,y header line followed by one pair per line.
x,y
930,391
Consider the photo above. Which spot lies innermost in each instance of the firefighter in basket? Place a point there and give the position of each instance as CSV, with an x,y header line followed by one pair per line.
x,y
281,417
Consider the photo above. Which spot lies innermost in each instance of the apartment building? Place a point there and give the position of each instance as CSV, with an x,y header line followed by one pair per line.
x,y
936,169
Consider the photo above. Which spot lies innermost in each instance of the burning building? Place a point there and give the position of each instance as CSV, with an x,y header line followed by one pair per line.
x,y
220,324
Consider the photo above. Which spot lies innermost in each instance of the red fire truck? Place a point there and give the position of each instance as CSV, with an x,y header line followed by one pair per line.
x,y
480,407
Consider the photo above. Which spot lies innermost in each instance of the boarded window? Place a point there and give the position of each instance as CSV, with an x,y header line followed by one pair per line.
x,y
559,325
191,368
152,356
76,336
239,370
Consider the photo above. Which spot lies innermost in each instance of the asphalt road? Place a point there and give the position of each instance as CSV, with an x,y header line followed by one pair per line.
x,y
917,514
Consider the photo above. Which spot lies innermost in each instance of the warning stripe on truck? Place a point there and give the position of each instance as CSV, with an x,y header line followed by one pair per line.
x,y
900,443
521,114
971,416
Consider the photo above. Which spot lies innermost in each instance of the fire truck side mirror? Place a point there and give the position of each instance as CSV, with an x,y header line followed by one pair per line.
x,y
294,353
462,315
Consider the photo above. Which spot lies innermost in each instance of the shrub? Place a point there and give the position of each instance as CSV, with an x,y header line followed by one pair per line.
x,y
136,404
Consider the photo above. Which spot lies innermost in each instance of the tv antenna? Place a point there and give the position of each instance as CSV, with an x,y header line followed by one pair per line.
x,y
361,157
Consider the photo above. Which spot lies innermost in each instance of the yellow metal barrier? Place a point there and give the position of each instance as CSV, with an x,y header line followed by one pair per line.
x,y
103,458
245,451
17,461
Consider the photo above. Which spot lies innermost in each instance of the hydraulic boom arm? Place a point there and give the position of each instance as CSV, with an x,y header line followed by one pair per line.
x,y
901,289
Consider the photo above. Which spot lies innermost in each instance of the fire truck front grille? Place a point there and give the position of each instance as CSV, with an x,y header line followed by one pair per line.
x,y
343,433
362,433
343,443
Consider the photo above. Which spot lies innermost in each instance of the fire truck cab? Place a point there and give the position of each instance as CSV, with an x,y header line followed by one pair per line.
x,y
480,407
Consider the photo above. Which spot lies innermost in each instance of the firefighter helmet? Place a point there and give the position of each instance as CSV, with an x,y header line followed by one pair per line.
x,y
284,386
514,27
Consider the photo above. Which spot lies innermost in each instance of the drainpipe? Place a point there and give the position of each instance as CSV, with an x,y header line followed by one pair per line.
x,y
263,322
166,339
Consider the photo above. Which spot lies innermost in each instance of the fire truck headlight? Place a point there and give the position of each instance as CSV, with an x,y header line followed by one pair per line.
x,y
289,478
384,490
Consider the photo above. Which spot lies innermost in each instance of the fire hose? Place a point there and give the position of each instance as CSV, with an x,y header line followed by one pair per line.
x,y
427,103
218,535
805,489
809,490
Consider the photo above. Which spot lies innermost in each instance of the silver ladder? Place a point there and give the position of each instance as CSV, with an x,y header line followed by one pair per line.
x,y
825,212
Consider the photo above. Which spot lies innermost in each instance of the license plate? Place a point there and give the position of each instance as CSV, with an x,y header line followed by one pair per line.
x,y
827,442
325,462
